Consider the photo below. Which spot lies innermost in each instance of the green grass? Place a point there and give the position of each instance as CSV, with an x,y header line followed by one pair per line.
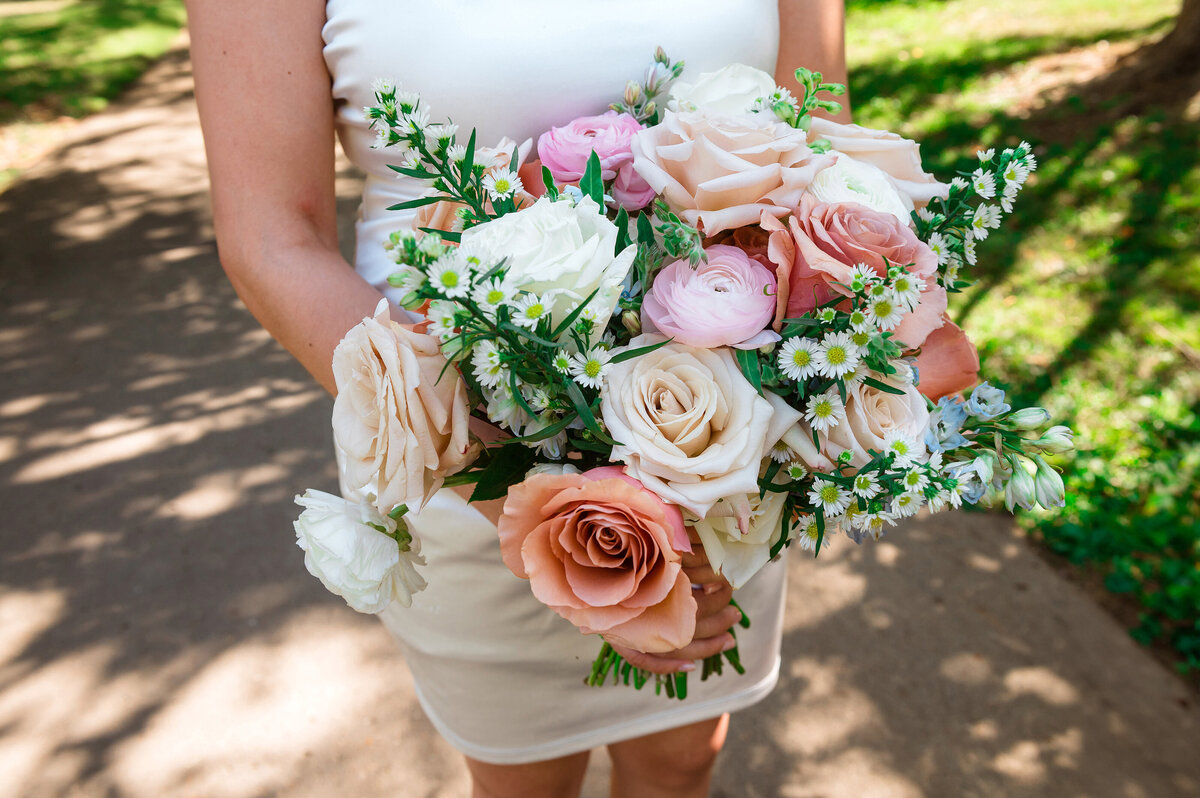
x,y
1088,302
72,58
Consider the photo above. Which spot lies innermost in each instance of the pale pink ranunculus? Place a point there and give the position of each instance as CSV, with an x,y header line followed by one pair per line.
x,y
400,417
897,156
565,151
871,414
948,362
444,215
726,301
597,549
721,171
690,426
825,241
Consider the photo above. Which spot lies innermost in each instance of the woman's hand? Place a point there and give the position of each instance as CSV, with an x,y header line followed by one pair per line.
x,y
714,616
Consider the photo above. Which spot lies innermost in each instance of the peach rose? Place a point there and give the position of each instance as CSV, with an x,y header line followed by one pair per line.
x,y
871,414
597,549
720,171
823,242
444,215
690,426
401,429
948,362
899,157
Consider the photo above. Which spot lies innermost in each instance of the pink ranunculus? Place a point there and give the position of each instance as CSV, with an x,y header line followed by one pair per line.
x,y
948,362
597,549
725,302
565,151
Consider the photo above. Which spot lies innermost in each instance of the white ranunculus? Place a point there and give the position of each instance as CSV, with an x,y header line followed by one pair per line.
x,y
559,251
729,90
848,180
352,558
739,556
691,428
871,414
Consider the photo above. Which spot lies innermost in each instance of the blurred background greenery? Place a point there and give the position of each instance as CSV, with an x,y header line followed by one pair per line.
x,y
1086,301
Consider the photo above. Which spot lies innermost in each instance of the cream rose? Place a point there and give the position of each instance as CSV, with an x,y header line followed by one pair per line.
x,y
690,427
399,422
562,252
729,90
737,553
848,180
344,548
897,156
721,172
871,414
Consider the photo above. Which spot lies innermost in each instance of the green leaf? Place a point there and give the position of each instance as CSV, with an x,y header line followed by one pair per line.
x,y
747,360
506,468
623,239
512,384
645,230
468,162
591,183
820,532
580,403
882,386
420,174
521,331
566,323
630,354
548,182
420,202
445,235
542,434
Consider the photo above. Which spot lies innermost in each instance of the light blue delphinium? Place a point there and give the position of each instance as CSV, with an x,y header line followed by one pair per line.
x,y
987,402
945,423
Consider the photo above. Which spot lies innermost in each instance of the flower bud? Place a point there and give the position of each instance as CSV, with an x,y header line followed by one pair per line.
x,y
1029,418
631,322
412,301
984,465
633,93
1048,485
649,108
1020,488
1056,440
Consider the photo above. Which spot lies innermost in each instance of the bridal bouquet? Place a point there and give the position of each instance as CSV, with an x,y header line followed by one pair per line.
x,y
702,307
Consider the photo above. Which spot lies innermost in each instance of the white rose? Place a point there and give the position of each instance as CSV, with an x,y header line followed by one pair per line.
x,y
871,414
352,558
400,417
729,90
848,180
690,426
738,554
559,251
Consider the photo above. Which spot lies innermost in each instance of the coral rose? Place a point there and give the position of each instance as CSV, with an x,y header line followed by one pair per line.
x,y
597,549
720,171
948,362
398,420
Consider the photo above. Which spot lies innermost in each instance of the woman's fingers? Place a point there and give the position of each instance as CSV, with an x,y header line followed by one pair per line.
x,y
682,659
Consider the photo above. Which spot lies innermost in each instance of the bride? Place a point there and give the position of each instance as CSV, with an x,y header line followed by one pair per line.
x,y
497,673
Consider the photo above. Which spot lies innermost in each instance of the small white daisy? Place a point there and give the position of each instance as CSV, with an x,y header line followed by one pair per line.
x,y
456,153
876,524
860,338
441,318
984,183
925,215
827,315
384,86
807,534
492,294
796,471
407,279
589,368
907,504
406,101
986,155
529,310
782,453
904,448
502,184
866,485
442,134
414,121
836,355
860,323
907,290
914,479
959,184
969,249
562,362
825,411
1009,196
798,358
885,312
831,498
450,276
538,399
489,368
1015,174
939,246
987,217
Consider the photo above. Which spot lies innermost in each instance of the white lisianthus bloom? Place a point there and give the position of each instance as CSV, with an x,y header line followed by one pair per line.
x,y
848,180
559,252
735,555
730,90
345,549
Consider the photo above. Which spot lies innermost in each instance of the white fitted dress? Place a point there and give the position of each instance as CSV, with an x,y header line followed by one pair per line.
x,y
498,673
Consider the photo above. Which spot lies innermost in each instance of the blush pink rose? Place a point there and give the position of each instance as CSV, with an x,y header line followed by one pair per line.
x,y
720,172
727,301
898,157
597,549
565,151
948,362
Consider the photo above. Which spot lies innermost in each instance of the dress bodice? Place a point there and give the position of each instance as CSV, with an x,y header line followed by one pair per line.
x,y
512,69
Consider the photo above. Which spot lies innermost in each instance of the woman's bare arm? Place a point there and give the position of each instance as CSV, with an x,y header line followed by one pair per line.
x,y
267,114
812,34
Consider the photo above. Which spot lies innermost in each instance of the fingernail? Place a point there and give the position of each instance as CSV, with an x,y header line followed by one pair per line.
x,y
730,643
712,587
688,668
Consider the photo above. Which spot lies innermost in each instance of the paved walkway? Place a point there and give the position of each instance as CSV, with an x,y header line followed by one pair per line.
x,y
160,637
